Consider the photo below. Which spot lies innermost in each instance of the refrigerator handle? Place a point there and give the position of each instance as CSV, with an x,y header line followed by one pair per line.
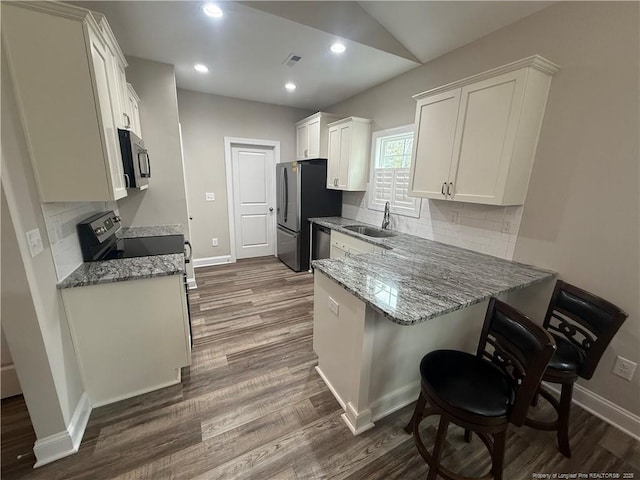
x,y
286,194
279,199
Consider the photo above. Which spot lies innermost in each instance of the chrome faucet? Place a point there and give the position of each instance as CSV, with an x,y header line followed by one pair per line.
x,y
385,219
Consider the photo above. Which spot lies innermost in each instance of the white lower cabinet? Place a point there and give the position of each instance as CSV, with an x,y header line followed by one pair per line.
x,y
63,75
343,245
476,139
129,337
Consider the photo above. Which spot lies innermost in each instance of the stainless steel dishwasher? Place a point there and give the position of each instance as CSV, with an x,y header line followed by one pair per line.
x,y
321,242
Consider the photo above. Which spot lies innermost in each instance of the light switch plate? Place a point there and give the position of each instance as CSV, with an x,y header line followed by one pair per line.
x,y
210,197
334,306
214,242
35,242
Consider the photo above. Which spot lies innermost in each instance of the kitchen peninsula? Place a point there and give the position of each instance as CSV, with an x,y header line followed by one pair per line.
x,y
377,314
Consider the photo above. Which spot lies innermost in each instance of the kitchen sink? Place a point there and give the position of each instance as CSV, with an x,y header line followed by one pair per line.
x,y
370,231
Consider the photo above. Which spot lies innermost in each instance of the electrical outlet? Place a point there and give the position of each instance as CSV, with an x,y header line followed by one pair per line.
x,y
35,242
334,306
210,197
506,226
624,368
453,217
214,242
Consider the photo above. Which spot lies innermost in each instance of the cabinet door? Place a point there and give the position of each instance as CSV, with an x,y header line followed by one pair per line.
x,y
333,160
124,118
302,141
436,119
313,132
133,110
116,91
346,134
488,122
336,251
100,58
135,114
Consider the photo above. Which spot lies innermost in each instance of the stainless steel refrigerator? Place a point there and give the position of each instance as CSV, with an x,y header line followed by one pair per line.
x,y
301,190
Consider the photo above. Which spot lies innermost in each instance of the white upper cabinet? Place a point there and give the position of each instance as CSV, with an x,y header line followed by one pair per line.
x,y
62,72
311,135
133,111
476,139
348,160
117,76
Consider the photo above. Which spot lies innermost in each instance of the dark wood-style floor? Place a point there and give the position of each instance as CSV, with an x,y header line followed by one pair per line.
x,y
251,406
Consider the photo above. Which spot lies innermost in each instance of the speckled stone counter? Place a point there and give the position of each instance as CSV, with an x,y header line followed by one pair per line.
x,y
416,279
153,231
123,269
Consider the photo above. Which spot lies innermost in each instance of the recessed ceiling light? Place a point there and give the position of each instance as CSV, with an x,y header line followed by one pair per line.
x,y
338,48
212,10
201,68
290,86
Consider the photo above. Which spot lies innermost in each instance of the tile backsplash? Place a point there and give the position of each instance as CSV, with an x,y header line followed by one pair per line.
x,y
61,219
482,228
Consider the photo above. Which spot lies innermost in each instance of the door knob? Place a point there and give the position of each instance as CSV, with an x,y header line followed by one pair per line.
x,y
271,209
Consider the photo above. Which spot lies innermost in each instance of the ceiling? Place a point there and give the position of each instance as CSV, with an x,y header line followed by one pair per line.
x,y
246,48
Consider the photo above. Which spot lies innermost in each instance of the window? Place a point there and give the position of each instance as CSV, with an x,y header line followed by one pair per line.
x,y
391,152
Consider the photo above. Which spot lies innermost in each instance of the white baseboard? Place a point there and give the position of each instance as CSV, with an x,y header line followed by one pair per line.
x,y
63,444
331,389
614,415
10,385
394,401
357,422
209,261
191,282
109,401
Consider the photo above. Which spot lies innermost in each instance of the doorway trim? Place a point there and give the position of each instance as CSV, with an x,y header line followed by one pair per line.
x,y
229,143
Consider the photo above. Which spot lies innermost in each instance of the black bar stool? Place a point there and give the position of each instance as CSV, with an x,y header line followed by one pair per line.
x,y
483,392
582,325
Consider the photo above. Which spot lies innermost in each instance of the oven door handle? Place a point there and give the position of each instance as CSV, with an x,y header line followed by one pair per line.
x,y
187,258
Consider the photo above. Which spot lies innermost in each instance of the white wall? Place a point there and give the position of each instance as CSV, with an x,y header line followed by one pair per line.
x,y
164,202
581,217
9,383
206,119
33,316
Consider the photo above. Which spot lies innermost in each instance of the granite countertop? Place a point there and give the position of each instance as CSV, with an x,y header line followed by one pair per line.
x,y
153,231
415,279
124,269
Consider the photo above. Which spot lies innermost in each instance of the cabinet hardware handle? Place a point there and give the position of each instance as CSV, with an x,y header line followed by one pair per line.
x,y
127,183
449,189
306,152
442,189
128,125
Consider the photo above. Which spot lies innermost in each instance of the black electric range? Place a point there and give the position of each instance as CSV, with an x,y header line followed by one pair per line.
x,y
145,246
98,240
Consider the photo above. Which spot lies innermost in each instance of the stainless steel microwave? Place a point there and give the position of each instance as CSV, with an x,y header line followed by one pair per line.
x,y
135,160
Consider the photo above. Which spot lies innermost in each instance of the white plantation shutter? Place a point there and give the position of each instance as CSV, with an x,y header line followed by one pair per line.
x,y
391,164
383,185
401,189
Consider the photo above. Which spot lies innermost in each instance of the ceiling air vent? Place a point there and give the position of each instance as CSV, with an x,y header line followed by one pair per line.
x,y
292,59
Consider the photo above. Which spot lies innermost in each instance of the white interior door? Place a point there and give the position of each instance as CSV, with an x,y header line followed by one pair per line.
x,y
253,171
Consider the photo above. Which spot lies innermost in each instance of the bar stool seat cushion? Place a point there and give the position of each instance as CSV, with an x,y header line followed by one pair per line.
x,y
567,356
467,382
